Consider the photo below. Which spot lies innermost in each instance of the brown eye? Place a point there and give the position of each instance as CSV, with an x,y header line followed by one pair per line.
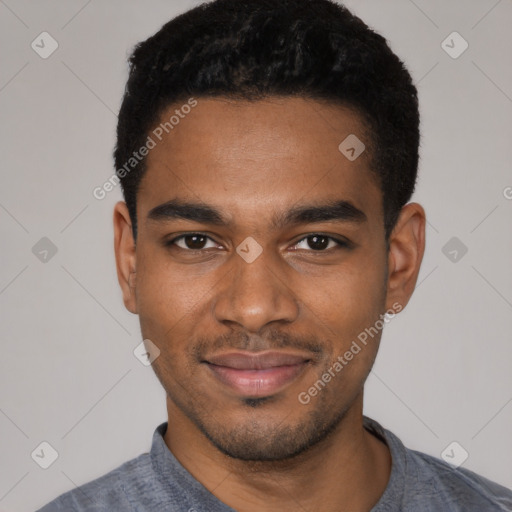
x,y
193,242
319,243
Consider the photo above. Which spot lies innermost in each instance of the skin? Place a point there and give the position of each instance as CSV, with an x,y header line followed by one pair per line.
x,y
253,161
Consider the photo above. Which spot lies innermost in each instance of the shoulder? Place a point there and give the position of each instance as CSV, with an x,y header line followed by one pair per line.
x,y
457,488
107,493
423,483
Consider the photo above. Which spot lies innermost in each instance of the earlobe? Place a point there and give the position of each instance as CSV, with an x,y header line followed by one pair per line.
x,y
125,252
406,249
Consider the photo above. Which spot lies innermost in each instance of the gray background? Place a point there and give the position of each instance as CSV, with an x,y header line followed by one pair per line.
x,y
67,372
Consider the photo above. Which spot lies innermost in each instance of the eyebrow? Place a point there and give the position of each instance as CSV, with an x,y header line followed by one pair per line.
x,y
197,212
338,210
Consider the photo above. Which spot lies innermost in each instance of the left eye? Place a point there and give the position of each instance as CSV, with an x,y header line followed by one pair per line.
x,y
319,243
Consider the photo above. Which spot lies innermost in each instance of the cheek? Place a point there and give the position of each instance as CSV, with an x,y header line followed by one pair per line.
x,y
350,295
349,317
168,306
167,293
173,308
348,309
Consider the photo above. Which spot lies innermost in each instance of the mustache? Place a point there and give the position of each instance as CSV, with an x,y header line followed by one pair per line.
x,y
273,339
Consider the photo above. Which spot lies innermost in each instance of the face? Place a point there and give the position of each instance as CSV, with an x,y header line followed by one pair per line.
x,y
260,259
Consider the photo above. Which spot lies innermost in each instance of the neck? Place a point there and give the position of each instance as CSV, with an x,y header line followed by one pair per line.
x,y
347,471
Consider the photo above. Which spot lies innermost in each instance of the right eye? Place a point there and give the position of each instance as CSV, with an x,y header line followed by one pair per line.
x,y
192,242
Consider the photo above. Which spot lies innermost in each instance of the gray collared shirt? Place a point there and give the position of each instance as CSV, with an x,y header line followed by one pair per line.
x,y
157,482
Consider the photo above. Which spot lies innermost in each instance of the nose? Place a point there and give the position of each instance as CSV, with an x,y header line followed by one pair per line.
x,y
256,294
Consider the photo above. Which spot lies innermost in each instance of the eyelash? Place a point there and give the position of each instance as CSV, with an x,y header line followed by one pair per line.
x,y
340,243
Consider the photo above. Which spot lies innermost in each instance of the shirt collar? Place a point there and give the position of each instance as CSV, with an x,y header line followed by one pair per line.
x,y
172,474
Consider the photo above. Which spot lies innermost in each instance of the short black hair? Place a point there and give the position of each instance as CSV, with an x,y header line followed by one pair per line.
x,y
252,49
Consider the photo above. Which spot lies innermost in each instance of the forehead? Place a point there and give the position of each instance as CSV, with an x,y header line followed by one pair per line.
x,y
249,158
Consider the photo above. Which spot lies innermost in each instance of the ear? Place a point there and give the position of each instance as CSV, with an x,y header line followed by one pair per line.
x,y
126,258
406,248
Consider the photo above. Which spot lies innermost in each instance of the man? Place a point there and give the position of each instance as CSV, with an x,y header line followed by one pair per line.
x,y
267,151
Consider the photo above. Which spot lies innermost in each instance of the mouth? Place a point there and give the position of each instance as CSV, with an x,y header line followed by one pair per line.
x,y
257,375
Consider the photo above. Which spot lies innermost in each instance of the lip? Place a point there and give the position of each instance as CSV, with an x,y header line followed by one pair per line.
x,y
257,374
